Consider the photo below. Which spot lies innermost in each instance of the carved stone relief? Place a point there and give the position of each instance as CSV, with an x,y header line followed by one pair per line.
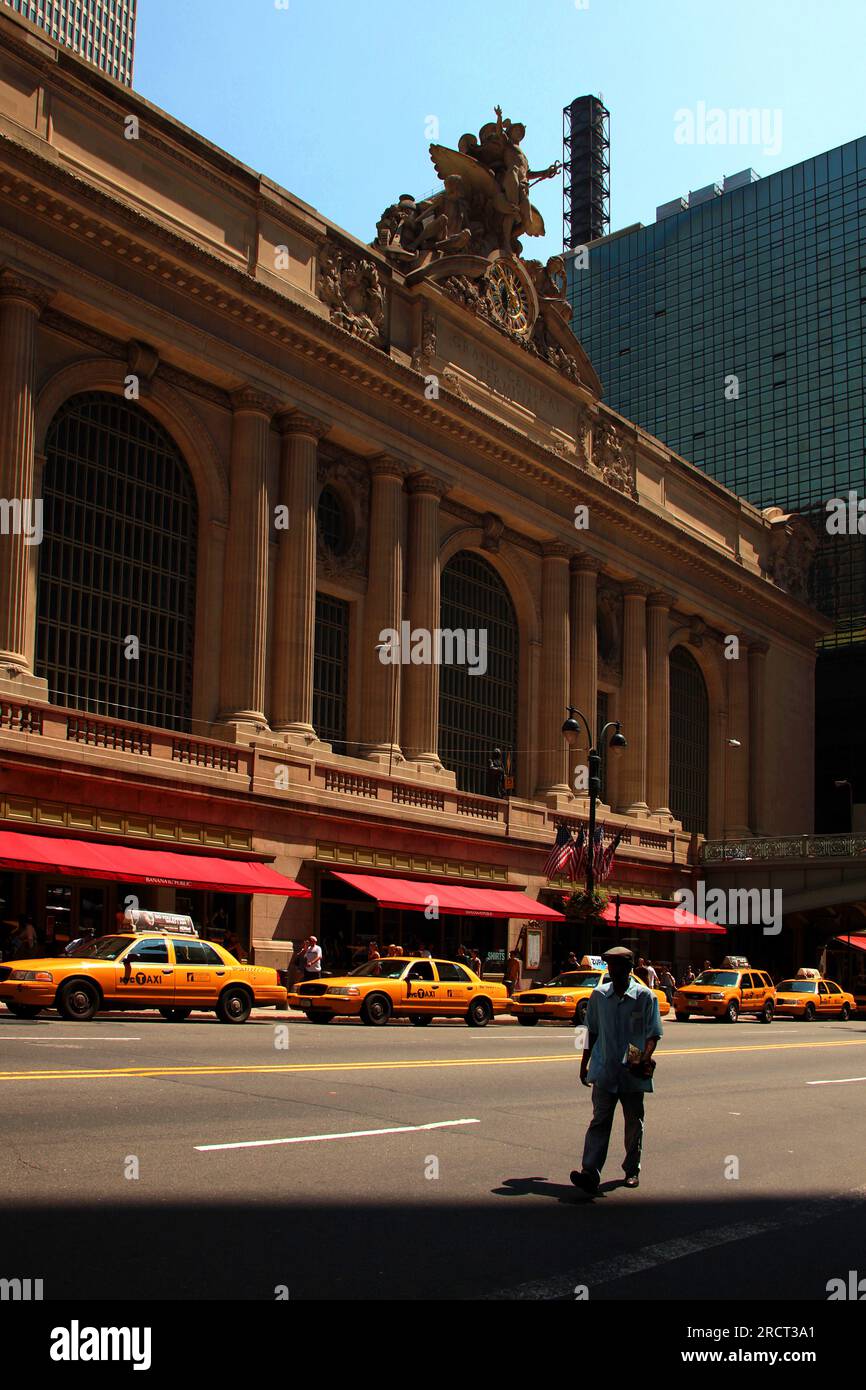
x,y
609,627
350,480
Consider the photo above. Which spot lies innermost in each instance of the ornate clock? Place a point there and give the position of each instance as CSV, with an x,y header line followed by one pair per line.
x,y
507,300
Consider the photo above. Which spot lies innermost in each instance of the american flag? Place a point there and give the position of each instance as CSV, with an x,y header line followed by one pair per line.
x,y
561,858
608,856
597,852
579,868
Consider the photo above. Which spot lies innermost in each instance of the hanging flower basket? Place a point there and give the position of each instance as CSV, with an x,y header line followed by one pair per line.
x,y
585,907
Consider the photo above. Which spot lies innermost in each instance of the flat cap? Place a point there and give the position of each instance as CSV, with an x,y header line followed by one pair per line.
x,y
618,951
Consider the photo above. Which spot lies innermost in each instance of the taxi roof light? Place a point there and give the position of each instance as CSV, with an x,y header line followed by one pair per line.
x,y
171,923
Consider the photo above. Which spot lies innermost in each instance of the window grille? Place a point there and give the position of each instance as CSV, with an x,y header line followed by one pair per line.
x,y
330,670
689,742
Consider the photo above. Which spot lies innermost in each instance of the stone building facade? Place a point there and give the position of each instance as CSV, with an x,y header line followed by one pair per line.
x,y
260,445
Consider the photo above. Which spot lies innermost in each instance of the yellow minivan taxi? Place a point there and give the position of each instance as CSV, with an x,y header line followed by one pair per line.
x,y
726,993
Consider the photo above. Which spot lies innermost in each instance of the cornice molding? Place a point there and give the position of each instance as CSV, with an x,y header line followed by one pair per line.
x,y
311,336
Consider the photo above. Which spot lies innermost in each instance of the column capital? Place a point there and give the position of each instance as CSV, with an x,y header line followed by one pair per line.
x,y
635,588
299,422
584,563
427,483
556,550
660,598
14,285
388,466
255,401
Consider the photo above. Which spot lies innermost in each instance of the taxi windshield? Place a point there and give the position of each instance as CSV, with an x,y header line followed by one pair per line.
x,y
717,977
799,986
103,948
587,979
386,968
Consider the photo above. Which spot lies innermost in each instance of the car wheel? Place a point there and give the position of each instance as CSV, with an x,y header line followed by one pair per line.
x,y
580,1013
421,1020
766,1014
845,1013
24,1010
77,1001
809,1013
732,1012
479,1013
376,1010
320,1016
175,1015
681,1017
234,1006
528,1020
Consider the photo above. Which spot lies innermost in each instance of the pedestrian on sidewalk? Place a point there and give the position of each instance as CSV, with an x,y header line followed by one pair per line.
x,y
313,960
512,972
623,1028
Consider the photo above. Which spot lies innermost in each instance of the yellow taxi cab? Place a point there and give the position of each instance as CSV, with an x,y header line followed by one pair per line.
x,y
736,988
566,998
810,996
413,987
157,961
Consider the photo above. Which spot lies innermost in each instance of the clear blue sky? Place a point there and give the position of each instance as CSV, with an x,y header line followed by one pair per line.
x,y
331,97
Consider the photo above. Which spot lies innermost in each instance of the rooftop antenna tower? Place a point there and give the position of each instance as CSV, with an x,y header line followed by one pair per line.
x,y
586,172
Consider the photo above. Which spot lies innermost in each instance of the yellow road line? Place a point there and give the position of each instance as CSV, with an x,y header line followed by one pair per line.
x,y
103,1073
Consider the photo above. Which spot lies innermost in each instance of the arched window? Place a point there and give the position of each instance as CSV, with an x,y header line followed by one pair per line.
x,y
117,562
690,741
477,713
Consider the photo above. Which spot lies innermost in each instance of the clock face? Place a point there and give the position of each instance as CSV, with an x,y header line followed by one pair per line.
x,y
507,300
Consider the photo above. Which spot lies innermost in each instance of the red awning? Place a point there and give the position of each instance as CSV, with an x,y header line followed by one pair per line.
x,y
858,942
122,863
450,898
658,917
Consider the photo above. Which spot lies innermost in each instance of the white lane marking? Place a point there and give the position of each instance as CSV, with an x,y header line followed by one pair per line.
x,y
621,1267
322,1138
839,1081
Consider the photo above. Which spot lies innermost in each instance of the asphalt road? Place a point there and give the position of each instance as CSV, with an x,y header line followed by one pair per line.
x,y
425,1163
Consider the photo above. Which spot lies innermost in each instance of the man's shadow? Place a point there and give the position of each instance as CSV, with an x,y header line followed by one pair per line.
x,y
565,1193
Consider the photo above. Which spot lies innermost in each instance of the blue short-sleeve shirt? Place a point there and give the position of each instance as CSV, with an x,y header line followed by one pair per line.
x,y
618,1021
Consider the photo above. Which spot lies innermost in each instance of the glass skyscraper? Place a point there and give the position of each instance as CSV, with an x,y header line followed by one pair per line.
x,y
102,31
734,329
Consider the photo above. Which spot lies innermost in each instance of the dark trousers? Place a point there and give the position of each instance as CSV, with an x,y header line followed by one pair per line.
x,y
598,1135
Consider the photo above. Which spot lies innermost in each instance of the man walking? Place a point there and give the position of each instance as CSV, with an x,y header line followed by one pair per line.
x,y
313,960
623,1027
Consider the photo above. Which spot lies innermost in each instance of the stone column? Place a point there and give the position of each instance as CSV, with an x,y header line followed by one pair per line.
x,y
245,584
420,698
632,780
757,736
738,759
658,756
380,699
21,303
584,648
294,622
553,750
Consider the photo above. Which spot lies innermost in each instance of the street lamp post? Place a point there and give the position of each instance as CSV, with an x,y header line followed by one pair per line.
x,y
573,733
